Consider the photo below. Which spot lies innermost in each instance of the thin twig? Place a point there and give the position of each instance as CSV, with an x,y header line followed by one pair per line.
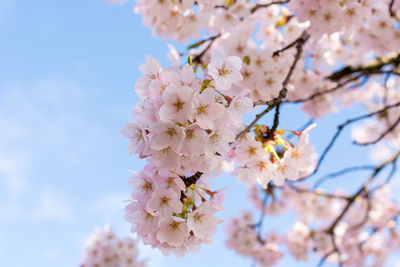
x,y
341,172
366,214
369,68
318,193
292,44
191,179
363,188
320,93
258,6
389,177
257,118
211,40
388,131
271,132
391,11
282,93
340,129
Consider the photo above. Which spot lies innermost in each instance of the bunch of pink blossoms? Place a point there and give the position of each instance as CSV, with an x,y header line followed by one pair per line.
x,y
322,54
365,21
104,249
263,160
246,241
185,129
386,129
172,215
359,237
183,123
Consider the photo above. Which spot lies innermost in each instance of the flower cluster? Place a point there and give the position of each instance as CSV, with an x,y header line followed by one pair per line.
x,y
358,237
342,32
375,97
247,242
104,249
348,17
183,123
324,55
264,159
184,129
172,215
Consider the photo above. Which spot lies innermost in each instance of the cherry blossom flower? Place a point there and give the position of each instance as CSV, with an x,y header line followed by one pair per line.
x,y
224,70
104,248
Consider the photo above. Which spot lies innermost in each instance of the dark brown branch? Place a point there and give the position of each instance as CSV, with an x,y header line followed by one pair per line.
x,y
262,214
391,11
341,84
341,172
363,188
333,251
258,6
377,229
221,6
318,193
323,259
366,214
259,116
282,93
299,47
374,67
340,129
191,179
388,131
389,177
211,40
303,37
317,94
271,132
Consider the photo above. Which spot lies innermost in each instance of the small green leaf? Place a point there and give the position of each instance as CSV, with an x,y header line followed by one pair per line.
x,y
196,44
247,60
190,60
205,85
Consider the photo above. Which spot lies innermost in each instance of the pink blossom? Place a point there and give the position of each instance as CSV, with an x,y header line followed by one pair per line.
x,y
202,222
224,70
167,135
173,231
163,202
177,105
206,110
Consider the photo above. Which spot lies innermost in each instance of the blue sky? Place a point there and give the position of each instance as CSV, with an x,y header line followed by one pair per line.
x,y
67,71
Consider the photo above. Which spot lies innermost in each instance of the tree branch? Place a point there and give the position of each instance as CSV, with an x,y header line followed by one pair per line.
x,y
258,6
391,11
282,93
191,179
388,131
339,130
341,172
363,188
369,68
211,40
